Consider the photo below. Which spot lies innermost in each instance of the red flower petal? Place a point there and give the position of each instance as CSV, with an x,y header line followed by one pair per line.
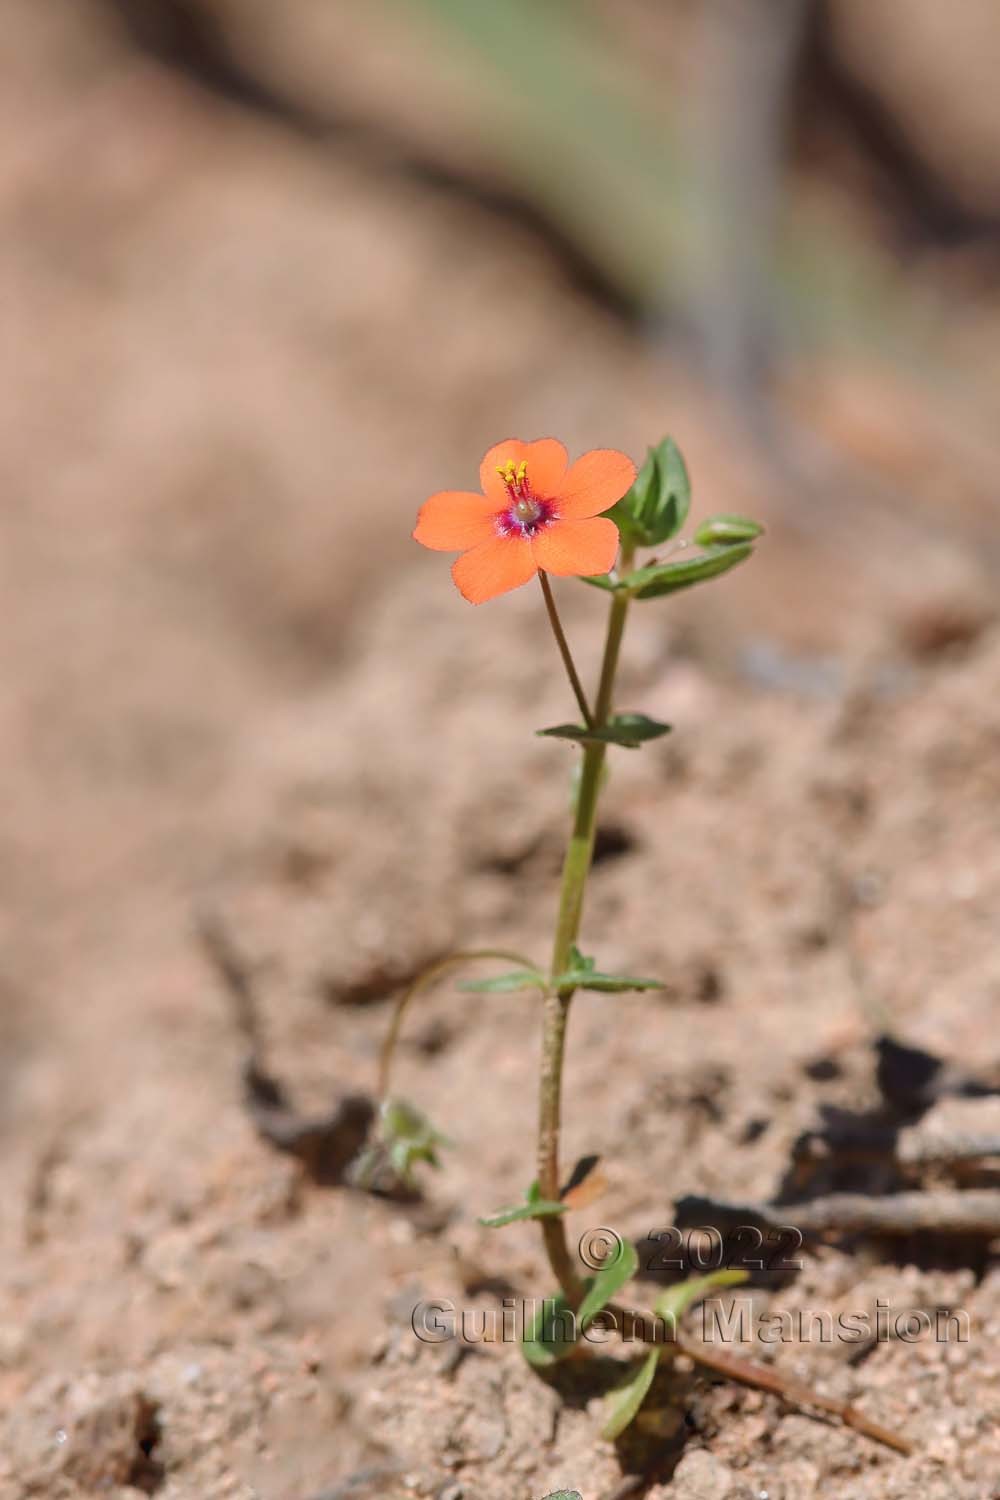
x,y
595,482
546,460
453,520
494,567
577,548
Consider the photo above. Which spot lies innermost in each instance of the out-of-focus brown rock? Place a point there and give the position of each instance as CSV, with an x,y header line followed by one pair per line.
x,y
933,68
701,1476
96,1433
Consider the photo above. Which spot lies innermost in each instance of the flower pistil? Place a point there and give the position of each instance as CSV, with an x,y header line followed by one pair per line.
x,y
527,513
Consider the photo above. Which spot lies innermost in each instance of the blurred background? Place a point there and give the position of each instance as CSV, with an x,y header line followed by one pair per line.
x,y
273,273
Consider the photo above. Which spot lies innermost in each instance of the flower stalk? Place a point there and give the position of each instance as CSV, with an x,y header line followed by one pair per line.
x,y
555,1015
564,651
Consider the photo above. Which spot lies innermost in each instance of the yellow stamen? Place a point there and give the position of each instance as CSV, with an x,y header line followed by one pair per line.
x,y
514,477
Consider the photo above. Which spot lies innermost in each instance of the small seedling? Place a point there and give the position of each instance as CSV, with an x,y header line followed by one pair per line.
x,y
539,515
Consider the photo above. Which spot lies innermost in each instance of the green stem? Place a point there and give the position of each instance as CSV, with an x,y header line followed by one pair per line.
x,y
424,978
564,651
576,868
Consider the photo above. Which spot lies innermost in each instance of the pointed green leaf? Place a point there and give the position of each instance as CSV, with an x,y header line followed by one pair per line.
x,y
583,974
611,585
535,1208
578,732
551,1333
609,1280
402,1119
553,1330
607,984
503,984
675,492
667,578
628,1398
408,1137
656,506
672,1304
404,1155
727,530
563,1495
629,730
632,729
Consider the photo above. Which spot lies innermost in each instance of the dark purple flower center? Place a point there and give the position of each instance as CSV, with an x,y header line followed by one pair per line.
x,y
526,517
527,514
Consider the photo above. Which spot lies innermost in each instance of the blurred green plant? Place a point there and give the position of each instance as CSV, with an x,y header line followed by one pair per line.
x,y
585,135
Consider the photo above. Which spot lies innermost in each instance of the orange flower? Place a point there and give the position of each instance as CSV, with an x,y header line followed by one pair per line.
x,y
536,512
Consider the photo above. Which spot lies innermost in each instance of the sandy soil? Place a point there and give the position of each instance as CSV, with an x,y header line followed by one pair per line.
x,y
163,1259
230,688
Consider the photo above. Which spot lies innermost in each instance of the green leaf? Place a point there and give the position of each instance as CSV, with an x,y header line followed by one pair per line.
x,y
632,729
409,1137
563,1495
502,984
609,1280
727,530
604,581
551,1333
667,578
605,984
627,729
583,974
534,1208
672,1304
404,1155
402,1121
628,1398
578,732
656,506
554,1328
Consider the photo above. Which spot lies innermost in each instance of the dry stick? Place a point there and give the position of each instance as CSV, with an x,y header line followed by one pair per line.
x,y
923,1144
909,1149
636,1324
974,1212
918,1150
763,1378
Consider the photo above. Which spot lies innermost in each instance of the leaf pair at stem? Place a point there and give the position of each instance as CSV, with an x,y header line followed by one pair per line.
x,y
582,974
653,512
556,1327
